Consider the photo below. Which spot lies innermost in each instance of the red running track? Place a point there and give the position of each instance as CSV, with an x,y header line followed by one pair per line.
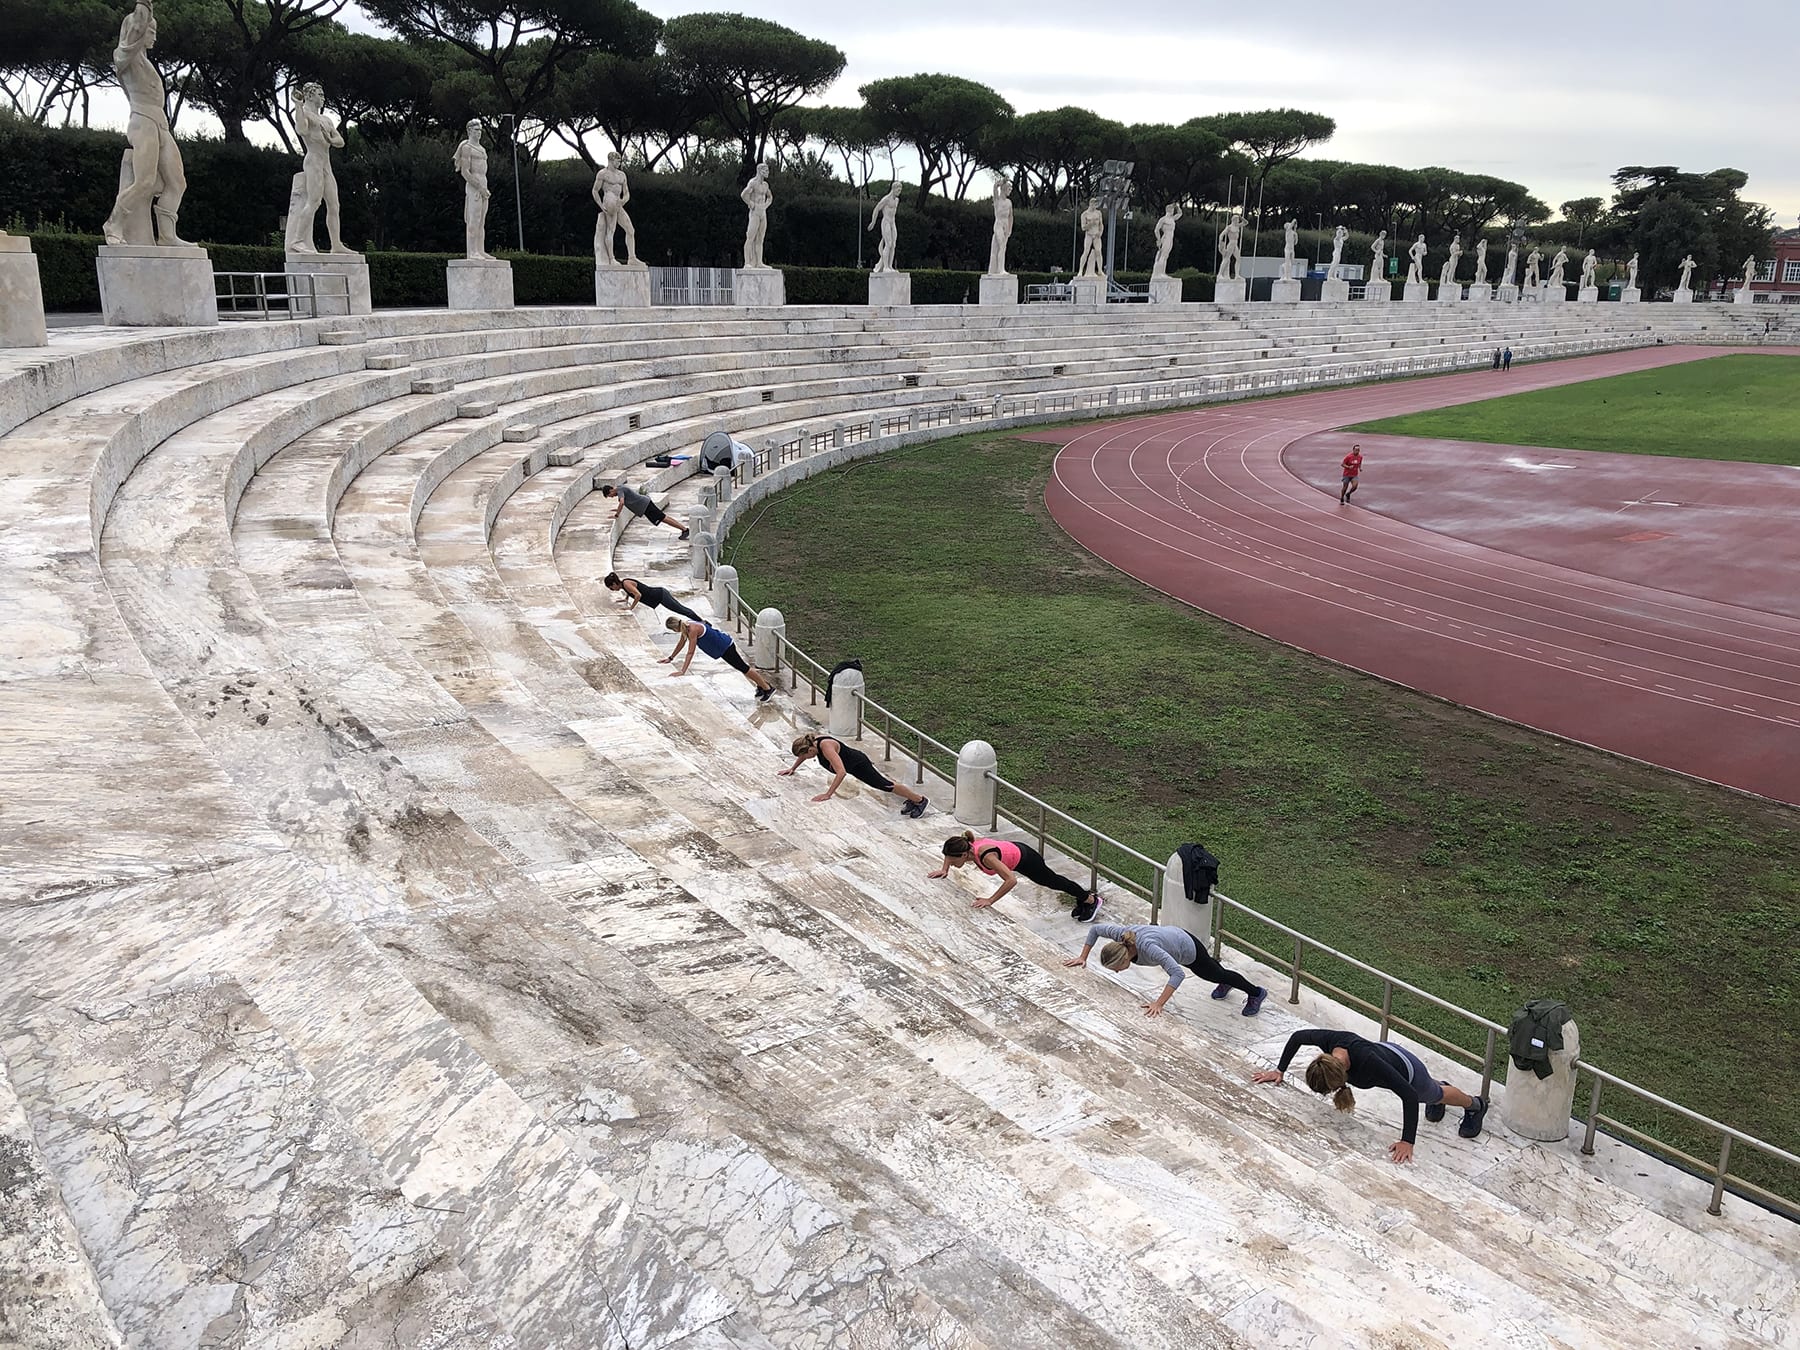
x,y
1490,598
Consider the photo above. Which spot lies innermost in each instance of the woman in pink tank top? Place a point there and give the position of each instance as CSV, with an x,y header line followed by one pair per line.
x,y
1009,861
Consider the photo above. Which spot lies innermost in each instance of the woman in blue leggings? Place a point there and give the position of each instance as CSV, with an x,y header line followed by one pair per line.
x,y
1348,1060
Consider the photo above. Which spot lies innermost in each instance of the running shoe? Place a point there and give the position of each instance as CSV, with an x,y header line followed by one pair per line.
x,y
764,695
1220,990
1472,1118
915,809
1435,1112
1084,911
684,534
1253,1004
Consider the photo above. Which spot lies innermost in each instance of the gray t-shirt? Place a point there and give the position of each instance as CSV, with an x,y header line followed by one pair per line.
x,y
635,502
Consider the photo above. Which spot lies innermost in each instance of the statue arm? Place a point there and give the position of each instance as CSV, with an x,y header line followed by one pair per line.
x,y
134,46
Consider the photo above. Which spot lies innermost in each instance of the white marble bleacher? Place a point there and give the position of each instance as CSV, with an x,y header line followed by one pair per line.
x,y
400,841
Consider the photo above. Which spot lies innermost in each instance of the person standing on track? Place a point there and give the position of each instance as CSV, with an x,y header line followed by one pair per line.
x,y
1352,470
1348,1060
1496,358
839,759
630,499
1173,949
696,635
656,597
1009,861
1506,359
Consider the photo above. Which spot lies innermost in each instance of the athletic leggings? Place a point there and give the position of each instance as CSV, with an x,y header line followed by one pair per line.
x,y
1208,969
1033,868
658,596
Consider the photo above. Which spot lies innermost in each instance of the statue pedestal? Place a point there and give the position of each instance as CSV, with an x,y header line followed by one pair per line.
x,y
350,298
1284,292
1415,292
147,285
1379,291
1507,295
479,283
1743,295
1588,295
755,286
1480,291
629,287
1087,292
1683,296
1165,290
1001,289
890,288
1552,295
1630,295
21,294
1335,292
1228,292
1449,294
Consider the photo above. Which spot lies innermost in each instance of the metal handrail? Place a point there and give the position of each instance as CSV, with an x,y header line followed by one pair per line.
x,y
805,443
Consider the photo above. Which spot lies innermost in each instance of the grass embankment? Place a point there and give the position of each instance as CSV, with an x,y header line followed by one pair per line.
x,y
1743,407
1487,863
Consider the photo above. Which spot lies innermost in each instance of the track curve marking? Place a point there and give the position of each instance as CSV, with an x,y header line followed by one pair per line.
x,y
1512,580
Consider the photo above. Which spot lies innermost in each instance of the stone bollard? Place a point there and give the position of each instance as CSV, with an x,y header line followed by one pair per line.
x,y
702,545
1541,1108
765,643
975,791
724,582
845,711
1177,909
722,484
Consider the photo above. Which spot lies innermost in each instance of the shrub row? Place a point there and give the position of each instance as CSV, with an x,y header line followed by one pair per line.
x,y
413,280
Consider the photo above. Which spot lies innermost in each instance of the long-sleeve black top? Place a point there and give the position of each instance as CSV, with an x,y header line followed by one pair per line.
x,y
1372,1065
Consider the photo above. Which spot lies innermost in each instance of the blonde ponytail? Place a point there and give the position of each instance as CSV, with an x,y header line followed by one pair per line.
x,y
1327,1075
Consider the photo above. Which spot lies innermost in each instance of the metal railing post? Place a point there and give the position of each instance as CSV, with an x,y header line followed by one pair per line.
x,y
1094,863
1717,1204
1593,1120
1487,1066
1387,1007
1294,986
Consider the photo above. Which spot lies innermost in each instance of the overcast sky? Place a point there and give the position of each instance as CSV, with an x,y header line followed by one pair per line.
x,y
1613,82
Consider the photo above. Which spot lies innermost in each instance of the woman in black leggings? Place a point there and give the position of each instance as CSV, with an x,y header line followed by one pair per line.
x,y
839,759
656,597
1174,949
1009,861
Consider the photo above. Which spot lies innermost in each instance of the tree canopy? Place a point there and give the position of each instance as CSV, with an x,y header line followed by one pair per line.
x,y
746,71
951,123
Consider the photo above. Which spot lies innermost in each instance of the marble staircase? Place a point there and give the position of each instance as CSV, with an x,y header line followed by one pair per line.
x,y
396,953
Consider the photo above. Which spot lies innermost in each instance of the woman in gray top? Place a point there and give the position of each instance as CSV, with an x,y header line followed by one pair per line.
x,y
630,499
1176,950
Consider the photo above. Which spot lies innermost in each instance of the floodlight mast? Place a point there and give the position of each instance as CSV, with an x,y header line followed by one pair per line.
x,y
1115,192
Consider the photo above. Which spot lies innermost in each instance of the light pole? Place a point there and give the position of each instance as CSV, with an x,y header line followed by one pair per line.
x,y
518,204
1115,192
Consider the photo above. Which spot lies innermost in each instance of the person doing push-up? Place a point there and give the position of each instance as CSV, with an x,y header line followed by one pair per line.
x,y
696,635
1177,951
1348,1060
640,593
839,759
1009,861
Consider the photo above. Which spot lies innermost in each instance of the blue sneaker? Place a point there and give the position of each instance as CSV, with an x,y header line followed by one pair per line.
x,y
1435,1112
1253,1004
1471,1121
1220,990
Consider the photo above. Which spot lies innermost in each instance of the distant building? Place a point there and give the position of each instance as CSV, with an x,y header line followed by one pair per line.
x,y
1778,280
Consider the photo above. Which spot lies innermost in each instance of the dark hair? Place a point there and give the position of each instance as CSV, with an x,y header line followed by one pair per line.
x,y
959,845
607,489
612,581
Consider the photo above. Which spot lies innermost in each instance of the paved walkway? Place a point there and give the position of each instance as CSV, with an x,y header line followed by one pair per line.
x,y
1478,573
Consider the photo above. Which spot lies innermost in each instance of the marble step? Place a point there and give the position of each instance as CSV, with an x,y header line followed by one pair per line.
x,y
363,813
49,1298
219,1199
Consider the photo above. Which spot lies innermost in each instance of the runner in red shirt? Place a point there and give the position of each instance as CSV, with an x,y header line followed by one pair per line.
x,y
1352,467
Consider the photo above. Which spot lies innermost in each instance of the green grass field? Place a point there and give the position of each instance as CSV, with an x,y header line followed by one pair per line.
x,y
1482,861
1744,407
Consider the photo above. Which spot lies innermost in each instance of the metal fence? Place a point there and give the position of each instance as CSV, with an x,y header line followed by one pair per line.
x,y
280,295
691,285
1142,876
